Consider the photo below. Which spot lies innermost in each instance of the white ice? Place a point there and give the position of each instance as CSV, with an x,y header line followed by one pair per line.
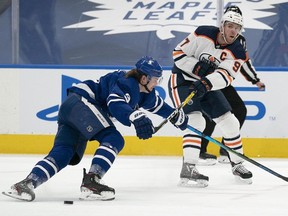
x,y
148,186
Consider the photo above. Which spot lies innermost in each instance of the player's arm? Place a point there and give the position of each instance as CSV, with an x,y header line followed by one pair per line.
x,y
122,99
232,58
219,79
184,55
185,60
121,103
224,75
249,72
153,103
118,107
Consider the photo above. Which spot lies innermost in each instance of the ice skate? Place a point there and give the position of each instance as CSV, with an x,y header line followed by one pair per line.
x,y
92,189
206,159
241,173
22,190
190,177
223,158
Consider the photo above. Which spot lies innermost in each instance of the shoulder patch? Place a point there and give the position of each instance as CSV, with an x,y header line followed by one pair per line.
x,y
127,97
208,31
238,50
242,41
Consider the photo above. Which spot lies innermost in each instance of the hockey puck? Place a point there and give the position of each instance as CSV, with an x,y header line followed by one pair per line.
x,y
68,202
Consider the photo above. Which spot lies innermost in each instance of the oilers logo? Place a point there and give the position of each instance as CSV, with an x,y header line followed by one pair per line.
x,y
209,59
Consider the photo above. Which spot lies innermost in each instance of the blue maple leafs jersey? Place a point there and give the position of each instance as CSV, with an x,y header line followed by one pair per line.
x,y
119,96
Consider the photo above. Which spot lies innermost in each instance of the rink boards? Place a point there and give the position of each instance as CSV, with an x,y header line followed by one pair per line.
x,y
30,99
165,146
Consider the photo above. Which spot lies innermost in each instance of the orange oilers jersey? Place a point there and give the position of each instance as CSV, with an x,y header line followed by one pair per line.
x,y
202,45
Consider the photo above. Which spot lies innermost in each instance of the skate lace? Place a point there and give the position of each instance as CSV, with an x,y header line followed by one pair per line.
x,y
241,169
99,181
24,185
195,171
192,169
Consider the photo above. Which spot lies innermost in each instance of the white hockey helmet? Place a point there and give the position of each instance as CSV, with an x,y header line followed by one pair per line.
x,y
232,16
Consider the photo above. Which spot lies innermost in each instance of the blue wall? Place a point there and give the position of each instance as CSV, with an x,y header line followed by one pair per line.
x,y
44,40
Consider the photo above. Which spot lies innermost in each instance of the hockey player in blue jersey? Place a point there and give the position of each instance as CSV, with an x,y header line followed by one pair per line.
x,y
206,61
86,115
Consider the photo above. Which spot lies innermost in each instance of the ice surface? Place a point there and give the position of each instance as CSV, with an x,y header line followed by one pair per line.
x,y
148,186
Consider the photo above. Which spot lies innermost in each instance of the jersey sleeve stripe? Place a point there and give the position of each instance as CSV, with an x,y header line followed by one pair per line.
x,y
86,88
114,98
228,79
158,106
175,95
178,52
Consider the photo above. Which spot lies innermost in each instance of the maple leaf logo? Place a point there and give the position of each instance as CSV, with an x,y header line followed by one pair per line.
x,y
164,17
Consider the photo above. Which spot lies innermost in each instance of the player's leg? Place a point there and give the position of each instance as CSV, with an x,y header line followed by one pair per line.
x,y
206,159
77,124
92,188
66,141
230,128
189,175
238,109
58,158
95,124
218,108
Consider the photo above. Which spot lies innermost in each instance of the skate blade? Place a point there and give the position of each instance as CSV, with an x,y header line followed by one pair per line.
x,y
88,195
206,162
243,181
184,182
24,196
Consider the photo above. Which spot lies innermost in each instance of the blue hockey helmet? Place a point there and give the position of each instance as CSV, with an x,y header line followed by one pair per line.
x,y
149,66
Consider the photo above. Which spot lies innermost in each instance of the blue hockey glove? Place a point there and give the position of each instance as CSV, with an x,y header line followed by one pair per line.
x,y
180,120
143,125
201,87
202,69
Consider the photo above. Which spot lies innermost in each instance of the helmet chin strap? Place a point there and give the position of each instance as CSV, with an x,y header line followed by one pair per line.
x,y
145,86
223,34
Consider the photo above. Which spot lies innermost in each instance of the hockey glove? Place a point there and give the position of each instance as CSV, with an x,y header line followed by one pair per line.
x,y
202,69
143,125
180,120
201,87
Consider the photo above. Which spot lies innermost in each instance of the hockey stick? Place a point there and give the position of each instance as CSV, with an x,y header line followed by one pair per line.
x,y
238,154
174,113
